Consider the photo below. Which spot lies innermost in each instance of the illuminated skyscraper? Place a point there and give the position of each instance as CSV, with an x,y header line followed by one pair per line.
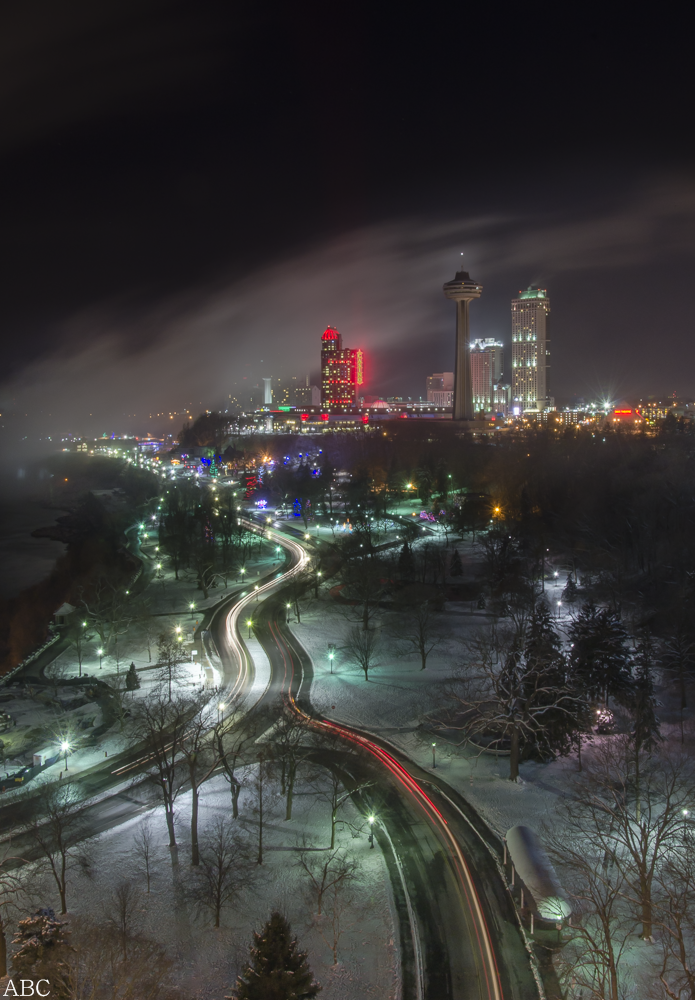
x,y
462,289
342,373
530,350
486,371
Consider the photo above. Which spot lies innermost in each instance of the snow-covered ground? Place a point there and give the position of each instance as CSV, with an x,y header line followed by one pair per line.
x,y
206,959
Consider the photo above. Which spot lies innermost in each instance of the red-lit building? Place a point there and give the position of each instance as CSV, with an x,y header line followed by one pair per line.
x,y
342,373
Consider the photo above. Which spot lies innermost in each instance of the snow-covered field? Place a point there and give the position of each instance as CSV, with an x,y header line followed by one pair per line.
x,y
207,959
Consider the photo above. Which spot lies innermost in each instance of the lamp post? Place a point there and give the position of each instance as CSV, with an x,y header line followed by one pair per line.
x,y
220,711
371,832
686,813
434,755
256,589
559,605
331,654
65,746
289,608
249,622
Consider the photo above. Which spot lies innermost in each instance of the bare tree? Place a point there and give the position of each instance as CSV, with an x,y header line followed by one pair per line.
x,y
10,885
364,579
419,625
200,751
98,969
590,963
290,749
161,724
362,648
603,811
676,920
328,785
230,742
225,868
324,870
109,612
339,902
79,639
122,914
60,835
150,628
170,658
144,851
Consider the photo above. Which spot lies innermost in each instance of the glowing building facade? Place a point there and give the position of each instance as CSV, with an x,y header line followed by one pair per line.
x,y
531,350
342,373
487,357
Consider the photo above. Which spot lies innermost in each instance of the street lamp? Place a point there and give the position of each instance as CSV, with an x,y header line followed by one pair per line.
x,y
249,622
191,607
65,746
434,757
331,653
256,589
371,832
220,709
288,606
100,653
559,605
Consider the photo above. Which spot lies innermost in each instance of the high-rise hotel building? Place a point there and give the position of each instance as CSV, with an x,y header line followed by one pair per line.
x,y
530,351
487,358
342,373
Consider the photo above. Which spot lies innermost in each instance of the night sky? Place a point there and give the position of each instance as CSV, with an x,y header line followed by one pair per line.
x,y
192,191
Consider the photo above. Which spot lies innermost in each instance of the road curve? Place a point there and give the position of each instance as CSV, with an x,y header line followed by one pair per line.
x,y
453,937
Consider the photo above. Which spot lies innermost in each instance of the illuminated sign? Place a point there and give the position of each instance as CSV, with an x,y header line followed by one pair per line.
x,y
625,413
359,375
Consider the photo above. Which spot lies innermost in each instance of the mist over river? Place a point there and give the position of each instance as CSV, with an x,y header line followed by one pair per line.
x,y
25,560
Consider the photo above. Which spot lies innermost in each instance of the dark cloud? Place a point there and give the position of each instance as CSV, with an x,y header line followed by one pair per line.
x,y
191,191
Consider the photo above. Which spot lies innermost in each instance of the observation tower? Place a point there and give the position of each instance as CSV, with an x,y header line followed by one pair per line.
x,y
462,290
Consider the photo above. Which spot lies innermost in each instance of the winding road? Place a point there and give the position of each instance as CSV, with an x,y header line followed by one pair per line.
x,y
459,934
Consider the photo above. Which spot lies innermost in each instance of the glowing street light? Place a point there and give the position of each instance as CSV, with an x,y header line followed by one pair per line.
x,y
249,622
64,748
191,608
331,652
100,653
434,752
220,711
371,832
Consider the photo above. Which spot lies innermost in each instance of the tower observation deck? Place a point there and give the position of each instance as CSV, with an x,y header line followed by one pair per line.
x,y
462,290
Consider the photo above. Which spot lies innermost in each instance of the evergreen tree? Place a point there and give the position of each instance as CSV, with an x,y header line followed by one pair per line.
x,y
646,733
43,950
406,564
455,567
277,969
545,670
599,658
569,594
132,681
